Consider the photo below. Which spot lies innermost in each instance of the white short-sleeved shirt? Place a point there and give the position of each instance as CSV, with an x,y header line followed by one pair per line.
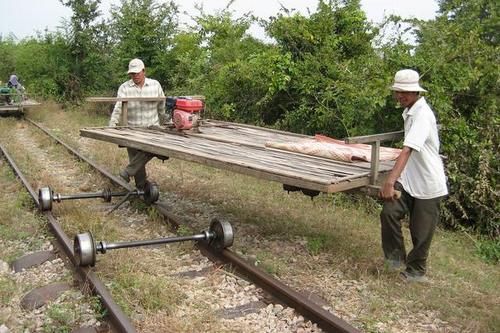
x,y
423,176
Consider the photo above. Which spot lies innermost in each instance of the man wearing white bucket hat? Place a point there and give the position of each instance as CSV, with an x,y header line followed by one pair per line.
x,y
419,174
18,89
139,114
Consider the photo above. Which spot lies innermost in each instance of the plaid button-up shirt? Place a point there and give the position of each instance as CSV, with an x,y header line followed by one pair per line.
x,y
140,113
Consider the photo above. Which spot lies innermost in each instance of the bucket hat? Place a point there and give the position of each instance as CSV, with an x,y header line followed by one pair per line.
x,y
13,80
407,80
135,66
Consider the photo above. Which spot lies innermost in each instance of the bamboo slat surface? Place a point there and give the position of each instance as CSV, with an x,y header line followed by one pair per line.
x,y
241,148
124,99
19,106
10,108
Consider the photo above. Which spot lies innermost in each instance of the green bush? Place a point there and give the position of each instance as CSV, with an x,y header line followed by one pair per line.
x,y
326,72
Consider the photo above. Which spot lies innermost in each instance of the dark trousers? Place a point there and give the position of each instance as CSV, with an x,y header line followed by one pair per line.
x,y
424,216
137,166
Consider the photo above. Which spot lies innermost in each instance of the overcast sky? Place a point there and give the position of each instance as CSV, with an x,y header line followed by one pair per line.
x,y
24,18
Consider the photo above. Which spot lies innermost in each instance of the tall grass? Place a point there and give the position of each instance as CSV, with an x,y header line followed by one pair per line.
x,y
320,243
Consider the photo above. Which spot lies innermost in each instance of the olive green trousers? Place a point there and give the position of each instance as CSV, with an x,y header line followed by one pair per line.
x,y
137,166
423,217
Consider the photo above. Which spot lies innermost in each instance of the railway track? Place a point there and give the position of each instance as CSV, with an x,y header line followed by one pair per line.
x,y
280,292
118,318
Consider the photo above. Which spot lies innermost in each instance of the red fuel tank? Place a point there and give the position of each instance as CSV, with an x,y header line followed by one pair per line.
x,y
189,105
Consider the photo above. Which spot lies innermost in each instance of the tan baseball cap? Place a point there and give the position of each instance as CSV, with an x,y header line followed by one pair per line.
x,y
135,66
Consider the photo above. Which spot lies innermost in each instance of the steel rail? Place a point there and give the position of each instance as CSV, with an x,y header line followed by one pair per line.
x,y
325,319
101,169
118,318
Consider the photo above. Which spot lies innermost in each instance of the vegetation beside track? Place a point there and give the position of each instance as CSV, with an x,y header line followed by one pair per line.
x,y
315,244
326,72
23,231
140,286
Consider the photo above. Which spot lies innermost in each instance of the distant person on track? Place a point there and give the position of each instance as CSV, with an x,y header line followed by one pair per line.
x,y
139,114
16,88
419,174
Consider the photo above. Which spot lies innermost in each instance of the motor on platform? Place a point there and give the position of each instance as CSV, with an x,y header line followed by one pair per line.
x,y
185,111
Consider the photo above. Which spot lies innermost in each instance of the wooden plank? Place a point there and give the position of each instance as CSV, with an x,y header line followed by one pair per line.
x,y
19,106
257,128
204,156
376,137
389,136
267,135
244,138
307,161
233,155
270,152
193,144
124,99
348,185
244,168
30,103
241,149
11,108
124,115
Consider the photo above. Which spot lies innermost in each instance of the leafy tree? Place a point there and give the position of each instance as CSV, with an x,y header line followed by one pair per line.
x,y
335,83
459,57
44,75
145,29
8,64
186,65
86,48
225,37
232,74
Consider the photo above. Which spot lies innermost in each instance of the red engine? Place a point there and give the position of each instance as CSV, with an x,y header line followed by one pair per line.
x,y
187,113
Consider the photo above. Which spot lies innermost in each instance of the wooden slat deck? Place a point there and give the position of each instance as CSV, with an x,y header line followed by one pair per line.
x,y
241,148
10,108
18,106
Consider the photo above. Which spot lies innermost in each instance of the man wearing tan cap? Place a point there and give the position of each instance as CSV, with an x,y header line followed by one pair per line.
x,y
419,174
139,114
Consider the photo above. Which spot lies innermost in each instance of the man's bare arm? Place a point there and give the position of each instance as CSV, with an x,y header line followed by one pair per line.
x,y
387,190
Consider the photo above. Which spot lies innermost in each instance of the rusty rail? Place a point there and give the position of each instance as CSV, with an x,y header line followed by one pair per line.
x,y
325,319
118,318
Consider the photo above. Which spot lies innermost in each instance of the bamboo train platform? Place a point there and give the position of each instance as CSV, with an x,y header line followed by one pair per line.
x,y
241,148
8,109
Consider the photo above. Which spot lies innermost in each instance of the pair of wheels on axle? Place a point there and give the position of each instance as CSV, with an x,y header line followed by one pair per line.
x,y
218,237
46,196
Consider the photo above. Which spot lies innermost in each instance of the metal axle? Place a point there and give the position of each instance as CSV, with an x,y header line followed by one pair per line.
x,y
46,196
102,246
218,236
106,194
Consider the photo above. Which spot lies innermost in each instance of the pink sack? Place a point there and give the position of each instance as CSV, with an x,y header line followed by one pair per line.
x,y
327,147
